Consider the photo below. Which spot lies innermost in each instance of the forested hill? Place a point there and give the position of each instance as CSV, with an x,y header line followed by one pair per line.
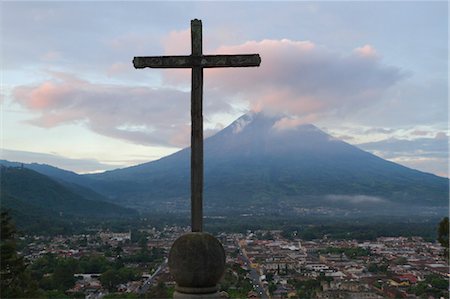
x,y
31,196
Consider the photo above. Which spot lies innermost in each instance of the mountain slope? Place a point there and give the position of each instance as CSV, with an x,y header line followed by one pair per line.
x,y
254,162
76,183
29,193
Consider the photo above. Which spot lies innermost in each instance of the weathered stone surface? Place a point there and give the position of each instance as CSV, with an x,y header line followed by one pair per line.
x,y
204,61
197,262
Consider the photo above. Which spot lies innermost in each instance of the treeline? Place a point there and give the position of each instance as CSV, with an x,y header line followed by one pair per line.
x,y
307,227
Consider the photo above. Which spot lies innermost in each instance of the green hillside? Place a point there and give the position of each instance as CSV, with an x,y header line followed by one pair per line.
x,y
33,197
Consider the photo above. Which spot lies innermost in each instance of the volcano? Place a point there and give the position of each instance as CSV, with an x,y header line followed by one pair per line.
x,y
259,161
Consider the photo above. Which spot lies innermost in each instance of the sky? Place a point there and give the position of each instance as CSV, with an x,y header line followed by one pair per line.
x,y
374,74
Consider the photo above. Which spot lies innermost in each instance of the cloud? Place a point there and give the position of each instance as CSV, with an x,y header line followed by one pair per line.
x,y
418,147
51,56
425,153
137,114
435,165
354,199
287,123
347,138
177,42
297,78
300,78
379,131
76,165
366,51
441,136
118,68
420,133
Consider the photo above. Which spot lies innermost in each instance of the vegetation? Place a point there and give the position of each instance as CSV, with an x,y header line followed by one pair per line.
x,y
235,282
433,285
381,268
112,277
443,236
159,291
352,252
309,227
50,276
38,202
306,288
15,281
42,205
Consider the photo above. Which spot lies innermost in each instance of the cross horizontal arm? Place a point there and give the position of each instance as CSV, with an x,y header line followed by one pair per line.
x,y
163,62
243,60
204,61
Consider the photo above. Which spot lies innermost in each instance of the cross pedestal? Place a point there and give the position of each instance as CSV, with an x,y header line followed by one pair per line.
x,y
197,263
197,259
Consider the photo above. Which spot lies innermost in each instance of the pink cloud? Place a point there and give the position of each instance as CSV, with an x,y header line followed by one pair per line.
x,y
177,42
297,78
51,56
118,68
287,123
420,133
160,116
42,96
366,51
441,136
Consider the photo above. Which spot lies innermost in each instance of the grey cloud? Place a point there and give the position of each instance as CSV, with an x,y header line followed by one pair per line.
x,y
137,114
89,37
435,165
412,102
295,77
319,81
379,131
355,199
426,154
76,165
300,78
416,147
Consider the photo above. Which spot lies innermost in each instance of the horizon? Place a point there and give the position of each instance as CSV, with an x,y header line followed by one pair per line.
x,y
366,73
282,123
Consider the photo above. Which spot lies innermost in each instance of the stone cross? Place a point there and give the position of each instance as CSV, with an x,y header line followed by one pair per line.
x,y
197,61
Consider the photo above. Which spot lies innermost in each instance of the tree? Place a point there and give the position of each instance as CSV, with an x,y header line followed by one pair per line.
x,y
272,287
110,279
15,279
63,275
54,294
158,291
94,264
443,234
401,260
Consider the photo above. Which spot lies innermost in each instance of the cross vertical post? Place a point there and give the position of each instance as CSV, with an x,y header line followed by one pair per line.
x,y
197,62
196,130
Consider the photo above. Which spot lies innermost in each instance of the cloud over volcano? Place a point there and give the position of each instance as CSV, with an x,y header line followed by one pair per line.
x,y
299,78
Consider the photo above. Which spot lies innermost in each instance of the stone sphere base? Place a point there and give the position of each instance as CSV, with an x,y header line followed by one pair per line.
x,y
197,263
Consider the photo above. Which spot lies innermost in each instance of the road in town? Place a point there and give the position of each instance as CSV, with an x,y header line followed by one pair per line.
x,y
149,282
254,276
